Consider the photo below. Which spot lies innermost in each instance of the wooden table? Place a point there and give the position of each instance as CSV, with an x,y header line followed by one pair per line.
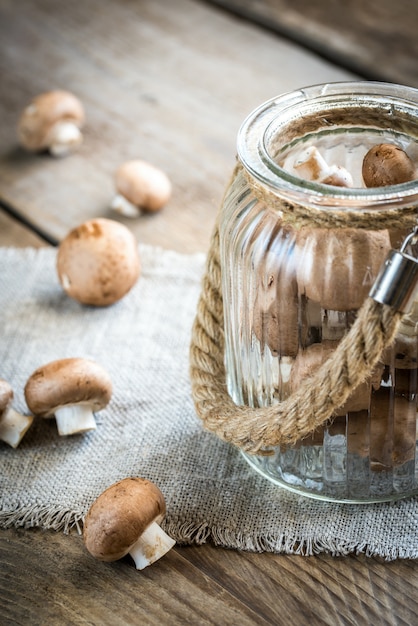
x,y
169,82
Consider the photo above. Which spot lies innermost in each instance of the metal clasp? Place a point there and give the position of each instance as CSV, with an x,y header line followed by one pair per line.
x,y
397,280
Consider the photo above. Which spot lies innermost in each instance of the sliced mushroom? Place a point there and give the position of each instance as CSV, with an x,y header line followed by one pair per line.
x,y
125,519
98,262
140,187
13,425
52,121
71,389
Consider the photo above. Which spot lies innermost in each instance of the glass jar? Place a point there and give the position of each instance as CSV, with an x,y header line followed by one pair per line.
x,y
298,259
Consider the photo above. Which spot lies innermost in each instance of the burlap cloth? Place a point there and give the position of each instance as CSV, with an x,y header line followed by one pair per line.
x,y
150,428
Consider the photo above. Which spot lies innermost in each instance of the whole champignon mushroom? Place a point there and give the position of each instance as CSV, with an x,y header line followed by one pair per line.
x,y
52,121
125,519
337,266
71,389
387,164
140,187
13,425
98,262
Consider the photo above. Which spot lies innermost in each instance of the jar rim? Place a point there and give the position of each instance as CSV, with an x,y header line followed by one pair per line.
x,y
254,154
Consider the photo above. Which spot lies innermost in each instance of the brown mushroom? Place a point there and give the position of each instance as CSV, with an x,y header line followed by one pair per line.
x,y
71,389
275,314
52,121
125,519
387,164
310,359
13,425
336,267
140,187
98,262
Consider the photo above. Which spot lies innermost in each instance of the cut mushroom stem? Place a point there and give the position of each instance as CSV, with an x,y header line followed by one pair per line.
x,y
63,138
125,519
151,546
74,418
13,427
70,389
124,207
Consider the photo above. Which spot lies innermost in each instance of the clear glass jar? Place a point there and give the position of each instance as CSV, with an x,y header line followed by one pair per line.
x,y
292,286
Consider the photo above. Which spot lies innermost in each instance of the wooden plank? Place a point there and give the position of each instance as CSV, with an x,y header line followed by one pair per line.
x,y
166,81
63,584
12,233
376,38
316,590
199,585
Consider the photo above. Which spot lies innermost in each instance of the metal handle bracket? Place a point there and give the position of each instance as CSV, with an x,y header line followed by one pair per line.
x,y
397,280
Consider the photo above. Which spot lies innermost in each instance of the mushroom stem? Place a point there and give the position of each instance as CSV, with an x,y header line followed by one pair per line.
x,y
124,207
63,137
13,426
151,546
74,418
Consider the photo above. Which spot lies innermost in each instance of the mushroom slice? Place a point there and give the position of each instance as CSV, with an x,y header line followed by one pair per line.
x,y
125,519
52,121
71,389
13,425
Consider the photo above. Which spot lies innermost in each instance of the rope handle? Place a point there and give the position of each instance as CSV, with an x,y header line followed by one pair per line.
x,y
317,398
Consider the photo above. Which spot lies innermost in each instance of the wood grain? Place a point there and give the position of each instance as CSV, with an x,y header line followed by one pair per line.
x,y
168,82
12,233
376,39
200,585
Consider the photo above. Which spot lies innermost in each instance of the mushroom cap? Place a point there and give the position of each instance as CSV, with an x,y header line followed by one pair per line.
x,y
143,184
67,381
98,262
119,516
337,267
43,112
387,164
6,396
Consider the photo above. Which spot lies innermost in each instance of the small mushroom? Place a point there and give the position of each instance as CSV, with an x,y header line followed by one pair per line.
x,y
52,121
71,389
13,425
309,164
140,187
98,262
125,519
387,164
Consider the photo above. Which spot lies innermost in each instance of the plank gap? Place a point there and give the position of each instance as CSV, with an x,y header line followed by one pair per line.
x,y
14,214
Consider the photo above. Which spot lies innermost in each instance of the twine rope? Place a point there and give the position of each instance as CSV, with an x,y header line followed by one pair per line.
x,y
256,429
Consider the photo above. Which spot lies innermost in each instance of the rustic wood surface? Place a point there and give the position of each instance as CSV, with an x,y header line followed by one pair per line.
x,y
170,82
376,38
149,75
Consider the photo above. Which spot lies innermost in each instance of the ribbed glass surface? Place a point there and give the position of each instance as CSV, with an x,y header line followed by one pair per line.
x,y
290,294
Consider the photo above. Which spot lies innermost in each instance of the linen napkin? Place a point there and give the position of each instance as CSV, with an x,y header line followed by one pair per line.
x,y
150,428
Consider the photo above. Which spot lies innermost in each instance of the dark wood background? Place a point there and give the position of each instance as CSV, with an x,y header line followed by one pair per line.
x,y
376,39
